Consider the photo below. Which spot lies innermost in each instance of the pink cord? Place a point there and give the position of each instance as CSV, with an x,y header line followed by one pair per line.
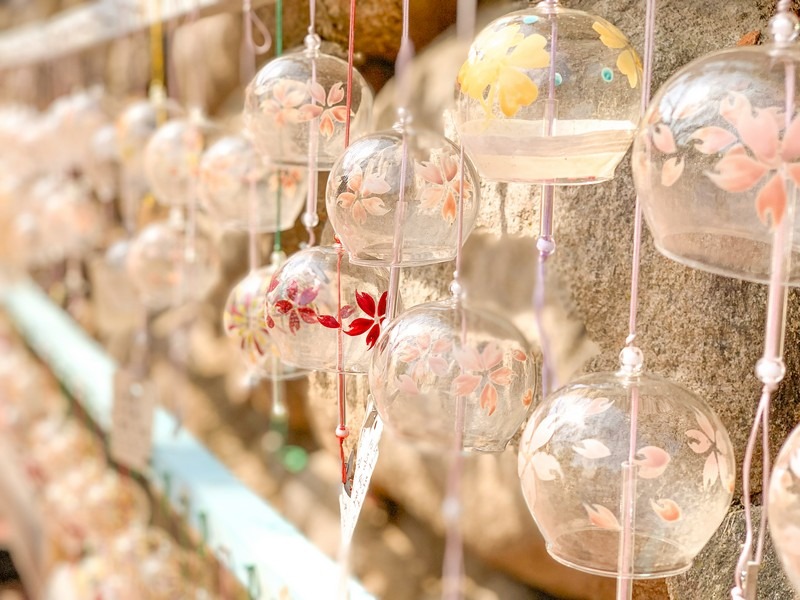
x,y
351,43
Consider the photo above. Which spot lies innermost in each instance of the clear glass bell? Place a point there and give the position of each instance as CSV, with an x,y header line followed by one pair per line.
x,y
522,121
784,507
172,159
363,198
227,169
167,270
282,106
243,321
716,161
571,465
437,352
302,310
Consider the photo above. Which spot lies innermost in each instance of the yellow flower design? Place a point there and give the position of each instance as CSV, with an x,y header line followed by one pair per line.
x,y
628,61
496,69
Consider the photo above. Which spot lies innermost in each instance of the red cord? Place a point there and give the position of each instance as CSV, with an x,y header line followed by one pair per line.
x,y
350,51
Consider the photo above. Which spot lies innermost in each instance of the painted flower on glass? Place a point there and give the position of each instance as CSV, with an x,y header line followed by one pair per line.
x,y
601,517
376,314
482,369
254,338
757,154
716,467
328,107
628,61
495,71
295,306
285,102
288,179
362,195
668,510
442,186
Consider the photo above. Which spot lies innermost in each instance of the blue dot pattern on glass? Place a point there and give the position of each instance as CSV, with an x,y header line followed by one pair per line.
x,y
607,74
559,79
530,19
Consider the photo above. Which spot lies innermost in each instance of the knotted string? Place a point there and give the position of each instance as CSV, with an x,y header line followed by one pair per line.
x,y
453,566
770,369
342,431
631,356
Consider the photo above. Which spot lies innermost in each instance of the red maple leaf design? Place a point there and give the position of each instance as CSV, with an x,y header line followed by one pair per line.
x,y
376,314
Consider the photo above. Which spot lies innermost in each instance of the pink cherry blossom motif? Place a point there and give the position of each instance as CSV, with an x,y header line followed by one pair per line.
x,y
652,462
592,449
601,517
664,140
328,107
668,510
288,180
424,354
441,186
295,306
716,465
283,103
757,153
482,369
376,313
363,194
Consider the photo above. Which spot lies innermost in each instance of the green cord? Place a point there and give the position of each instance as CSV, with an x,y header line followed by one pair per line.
x,y
279,27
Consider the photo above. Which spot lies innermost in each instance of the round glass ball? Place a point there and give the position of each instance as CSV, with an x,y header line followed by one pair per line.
x,y
716,162
171,161
166,269
302,310
135,124
784,507
571,458
436,353
243,321
363,198
522,121
284,110
228,169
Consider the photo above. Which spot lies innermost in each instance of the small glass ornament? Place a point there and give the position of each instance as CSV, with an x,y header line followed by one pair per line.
x,y
134,126
437,352
716,162
284,108
167,270
172,159
243,321
74,119
227,170
302,310
784,507
363,198
522,121
572,459
115,300
103,163
69,218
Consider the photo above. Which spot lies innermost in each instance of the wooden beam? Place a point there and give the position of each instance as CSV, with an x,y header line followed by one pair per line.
x,y
84,27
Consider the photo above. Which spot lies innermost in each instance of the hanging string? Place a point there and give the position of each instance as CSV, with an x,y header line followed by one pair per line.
x,y
312,42
247,69
277,246
351,43
453,566
342,431
770,369
631,356
546,244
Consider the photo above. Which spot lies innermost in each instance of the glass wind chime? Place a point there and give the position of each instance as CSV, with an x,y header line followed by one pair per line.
x,y
647,495
715,164
534,106
240,189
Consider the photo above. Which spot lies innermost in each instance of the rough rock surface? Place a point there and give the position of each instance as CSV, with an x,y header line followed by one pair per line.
x,y
701,330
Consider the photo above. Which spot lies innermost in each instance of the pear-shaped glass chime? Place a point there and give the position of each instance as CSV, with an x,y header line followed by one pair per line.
x,y
228,168
627,474
716,167
368,211
302,310
436,352
784,507
522,121
299,98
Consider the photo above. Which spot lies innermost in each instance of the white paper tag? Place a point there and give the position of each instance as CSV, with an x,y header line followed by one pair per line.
x,y
132,421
